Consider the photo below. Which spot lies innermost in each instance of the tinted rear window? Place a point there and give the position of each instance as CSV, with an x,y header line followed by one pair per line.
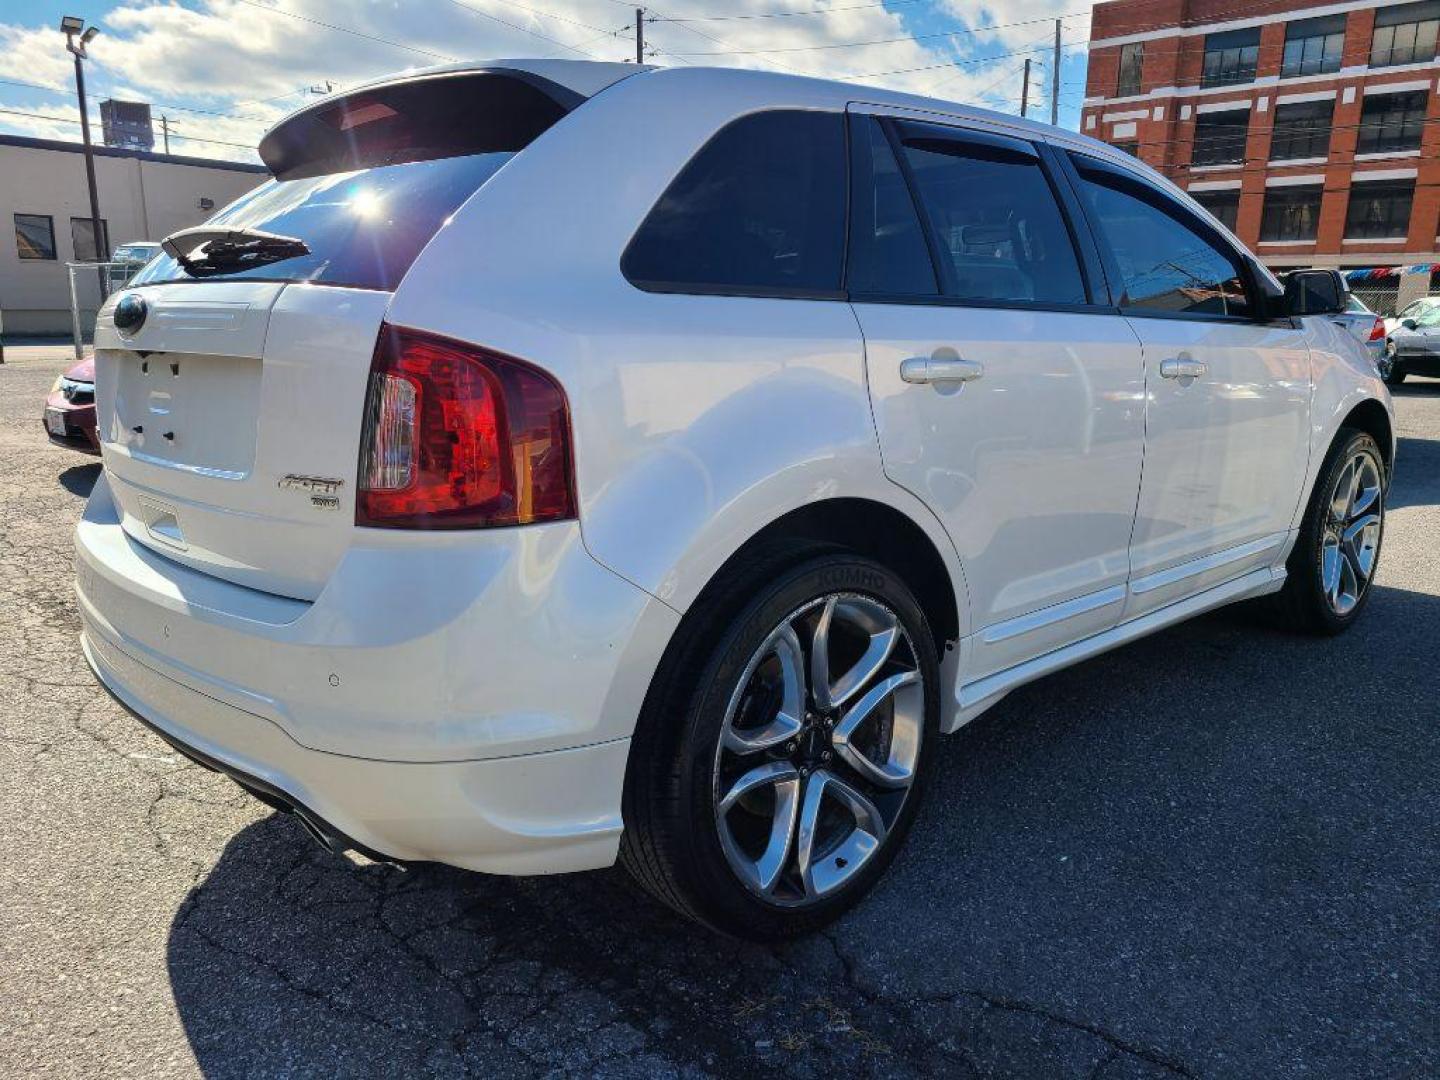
x,y
363,228
760,210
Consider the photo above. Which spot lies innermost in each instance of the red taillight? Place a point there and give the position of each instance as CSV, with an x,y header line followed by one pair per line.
x,y
1377,332
457,437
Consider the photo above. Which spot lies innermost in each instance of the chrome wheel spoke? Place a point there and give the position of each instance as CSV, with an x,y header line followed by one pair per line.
x,y
1365,496
883,630
900,744
763,872
1359,545
784,645
1340,497
822,872
1330,561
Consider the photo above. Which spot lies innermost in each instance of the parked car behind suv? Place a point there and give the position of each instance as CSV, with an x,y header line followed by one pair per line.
x,y
699,446
1414,347
69,416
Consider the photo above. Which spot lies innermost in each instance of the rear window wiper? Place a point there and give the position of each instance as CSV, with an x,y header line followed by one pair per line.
x,y
208,250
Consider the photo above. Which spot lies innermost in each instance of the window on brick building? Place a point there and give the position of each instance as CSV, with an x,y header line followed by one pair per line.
x,y
1390,123
1130,146
1405,34
1132,60
1302,130
1379,210
1225,205
1220,137
1313,46
1291,213
1231,57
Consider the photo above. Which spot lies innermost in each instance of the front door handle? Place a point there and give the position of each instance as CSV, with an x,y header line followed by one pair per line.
x,y
1182,368
940,369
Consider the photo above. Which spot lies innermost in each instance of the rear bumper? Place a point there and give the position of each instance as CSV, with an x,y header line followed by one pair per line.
x,y
462,702
536,814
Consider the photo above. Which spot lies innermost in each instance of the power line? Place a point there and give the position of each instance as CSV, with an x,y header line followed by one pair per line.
x,y
75,120
790,14
970,61
158,104
527,30
878,41
347,30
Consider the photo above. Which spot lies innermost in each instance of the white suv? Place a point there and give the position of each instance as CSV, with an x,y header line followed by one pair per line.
x,y
558,462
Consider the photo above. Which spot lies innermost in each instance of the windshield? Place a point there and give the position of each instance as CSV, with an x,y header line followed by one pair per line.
x,y
363,228
135,252
1357,306
1429,317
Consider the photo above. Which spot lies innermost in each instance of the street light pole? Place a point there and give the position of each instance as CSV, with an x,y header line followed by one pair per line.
x,y
71,27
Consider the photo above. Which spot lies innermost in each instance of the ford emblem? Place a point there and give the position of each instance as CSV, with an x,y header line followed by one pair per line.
x,y
130,313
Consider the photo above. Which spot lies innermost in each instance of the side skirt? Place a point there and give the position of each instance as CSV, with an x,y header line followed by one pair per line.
x,y
973,698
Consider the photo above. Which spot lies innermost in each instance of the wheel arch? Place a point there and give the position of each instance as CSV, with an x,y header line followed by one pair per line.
x,y
863,525
1371,417
869,528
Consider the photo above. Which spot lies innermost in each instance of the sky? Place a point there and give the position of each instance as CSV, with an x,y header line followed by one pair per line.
x,y
223,71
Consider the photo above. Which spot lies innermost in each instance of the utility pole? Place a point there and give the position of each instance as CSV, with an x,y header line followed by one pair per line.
x,y
165,131
71,26
639,35
1025,90
1055,79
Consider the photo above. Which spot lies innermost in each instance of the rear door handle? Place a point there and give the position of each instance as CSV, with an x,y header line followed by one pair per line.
x,y
940,369
1182,368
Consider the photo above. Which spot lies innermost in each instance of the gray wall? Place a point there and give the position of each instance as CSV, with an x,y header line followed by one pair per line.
x,y
141,198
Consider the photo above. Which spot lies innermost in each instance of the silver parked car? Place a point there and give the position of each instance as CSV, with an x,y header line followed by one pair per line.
x,y
1363,325
1414,347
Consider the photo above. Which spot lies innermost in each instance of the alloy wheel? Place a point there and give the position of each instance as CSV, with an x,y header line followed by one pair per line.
x,y
1350,538
819,748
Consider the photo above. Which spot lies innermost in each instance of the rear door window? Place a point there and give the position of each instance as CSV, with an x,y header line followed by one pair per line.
x,y
363,228
996,224
758,211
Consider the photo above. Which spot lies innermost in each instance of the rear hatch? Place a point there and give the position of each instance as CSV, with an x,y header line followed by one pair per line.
x,y
231,387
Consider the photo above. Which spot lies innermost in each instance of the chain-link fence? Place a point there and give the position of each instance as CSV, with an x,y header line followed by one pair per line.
x,y
90,284
1381,297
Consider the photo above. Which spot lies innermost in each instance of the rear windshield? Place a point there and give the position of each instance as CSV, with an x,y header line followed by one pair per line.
x,y
363,228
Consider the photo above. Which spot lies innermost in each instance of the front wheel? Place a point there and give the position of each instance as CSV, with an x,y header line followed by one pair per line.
x,y
1390,369
779,764
1332,568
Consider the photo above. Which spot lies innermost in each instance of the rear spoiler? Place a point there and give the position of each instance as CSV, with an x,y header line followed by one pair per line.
x,y
444,112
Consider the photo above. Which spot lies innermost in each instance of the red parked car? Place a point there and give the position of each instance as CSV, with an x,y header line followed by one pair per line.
x,y
70,409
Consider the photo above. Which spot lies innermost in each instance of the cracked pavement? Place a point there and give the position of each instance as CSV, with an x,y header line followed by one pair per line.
x,y
1214,853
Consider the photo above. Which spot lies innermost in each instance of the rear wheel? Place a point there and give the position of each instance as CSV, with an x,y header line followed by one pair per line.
x,y
1333,565
779,764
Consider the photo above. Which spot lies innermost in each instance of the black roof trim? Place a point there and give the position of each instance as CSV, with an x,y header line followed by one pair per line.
x,y
117,152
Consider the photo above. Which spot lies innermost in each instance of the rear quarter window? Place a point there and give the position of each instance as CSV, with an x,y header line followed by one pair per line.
x,y
759,210
363,228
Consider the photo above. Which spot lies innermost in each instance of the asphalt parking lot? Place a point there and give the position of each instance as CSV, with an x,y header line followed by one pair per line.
x,y
1215,853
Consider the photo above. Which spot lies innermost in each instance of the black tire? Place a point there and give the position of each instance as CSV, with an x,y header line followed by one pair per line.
x,y
1390,369
1302,604
672,844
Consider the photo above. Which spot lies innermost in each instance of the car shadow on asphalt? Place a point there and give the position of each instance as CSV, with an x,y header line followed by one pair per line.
x,y
80,479
1205,854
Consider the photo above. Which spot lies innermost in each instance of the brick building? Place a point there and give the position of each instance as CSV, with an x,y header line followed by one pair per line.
x,y
1312,130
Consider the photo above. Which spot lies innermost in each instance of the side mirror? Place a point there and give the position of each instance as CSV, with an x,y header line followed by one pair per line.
x,y
1315,292
1409,324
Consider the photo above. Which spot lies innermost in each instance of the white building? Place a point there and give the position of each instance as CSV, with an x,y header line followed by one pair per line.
x,y
45,217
